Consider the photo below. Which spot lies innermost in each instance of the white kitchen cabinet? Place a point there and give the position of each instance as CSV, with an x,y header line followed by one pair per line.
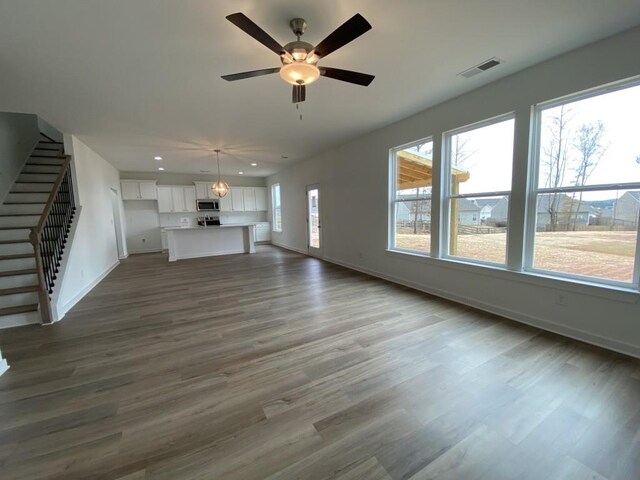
x,y
262,232
225,203
261,199
138,190
190,199
177,196
249,196
176,199
203,191
165,200
237,199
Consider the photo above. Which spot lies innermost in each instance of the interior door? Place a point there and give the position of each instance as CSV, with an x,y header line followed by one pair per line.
x,y
314,221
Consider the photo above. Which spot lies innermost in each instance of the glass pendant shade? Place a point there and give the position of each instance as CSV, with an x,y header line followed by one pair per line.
x,y
220,188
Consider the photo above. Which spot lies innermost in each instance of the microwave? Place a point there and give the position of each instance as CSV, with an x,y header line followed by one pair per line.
x,y
208,205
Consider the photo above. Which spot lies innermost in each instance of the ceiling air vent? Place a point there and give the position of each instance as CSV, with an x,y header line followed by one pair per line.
x,y
483,67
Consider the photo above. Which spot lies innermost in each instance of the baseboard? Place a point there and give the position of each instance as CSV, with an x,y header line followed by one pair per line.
x,y
576,334
201,255
4,366
287,247
151,250
123,257
62,311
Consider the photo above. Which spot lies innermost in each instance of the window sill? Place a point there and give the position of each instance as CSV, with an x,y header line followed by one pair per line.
x,y
610,292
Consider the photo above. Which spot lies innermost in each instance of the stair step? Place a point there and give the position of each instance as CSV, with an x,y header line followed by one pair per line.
x,y
61,157
17,209
41,168
26,197
21,309
13,221
27,177
52,142
14,281
13,273
13,291
13,264
17,255
14,247
46,160
32,187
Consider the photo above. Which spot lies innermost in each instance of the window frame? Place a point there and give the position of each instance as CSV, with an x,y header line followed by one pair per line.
x,y
533,189
393,200
447,197
274,207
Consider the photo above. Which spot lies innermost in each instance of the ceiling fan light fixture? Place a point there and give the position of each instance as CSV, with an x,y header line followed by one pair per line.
x,y
299,73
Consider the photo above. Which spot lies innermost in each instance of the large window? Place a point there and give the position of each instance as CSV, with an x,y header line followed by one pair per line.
x,y
276,207
583,218
411,197
478,172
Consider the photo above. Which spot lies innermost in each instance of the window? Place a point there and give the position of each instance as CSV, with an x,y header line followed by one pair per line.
x,y
411,197
584,214
478,172
276,207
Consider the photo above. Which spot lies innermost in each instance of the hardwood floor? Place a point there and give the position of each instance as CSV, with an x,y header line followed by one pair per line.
x,y
279,366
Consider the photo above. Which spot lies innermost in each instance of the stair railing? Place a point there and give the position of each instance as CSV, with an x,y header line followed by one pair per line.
x,y
50,236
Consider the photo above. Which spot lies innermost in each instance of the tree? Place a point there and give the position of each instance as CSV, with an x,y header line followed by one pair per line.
x,y
590,149
557,157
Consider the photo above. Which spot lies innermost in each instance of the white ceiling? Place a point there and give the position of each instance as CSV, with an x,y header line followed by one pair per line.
x,y
138,78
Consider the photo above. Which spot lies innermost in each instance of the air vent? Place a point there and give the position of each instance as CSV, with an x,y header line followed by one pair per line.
x,y
483,67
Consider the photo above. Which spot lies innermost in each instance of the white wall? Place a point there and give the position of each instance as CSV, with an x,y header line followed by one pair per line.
x,y
142,226
94,252
18,135
4,366
357,173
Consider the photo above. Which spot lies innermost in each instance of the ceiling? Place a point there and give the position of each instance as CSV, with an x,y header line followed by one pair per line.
x,y
139,78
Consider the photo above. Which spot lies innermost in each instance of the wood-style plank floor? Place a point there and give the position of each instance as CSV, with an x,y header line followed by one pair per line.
x,y
279,366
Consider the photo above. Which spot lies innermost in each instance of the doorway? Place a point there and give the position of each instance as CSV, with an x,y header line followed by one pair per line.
x,y
117,224
314,221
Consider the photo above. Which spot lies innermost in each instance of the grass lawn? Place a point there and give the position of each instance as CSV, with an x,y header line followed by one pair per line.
x,y
598,254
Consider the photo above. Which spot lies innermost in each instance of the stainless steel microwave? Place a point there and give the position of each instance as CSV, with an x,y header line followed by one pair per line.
x,y
208,205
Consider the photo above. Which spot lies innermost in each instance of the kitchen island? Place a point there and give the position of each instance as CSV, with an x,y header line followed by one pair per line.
x,y
212,240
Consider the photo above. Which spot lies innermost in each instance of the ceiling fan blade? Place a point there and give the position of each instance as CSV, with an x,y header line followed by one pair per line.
x,y
253,73
245,24
345,33
358,78
299,94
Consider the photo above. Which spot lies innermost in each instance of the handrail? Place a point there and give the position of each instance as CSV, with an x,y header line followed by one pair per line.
x,y
37,230
50,235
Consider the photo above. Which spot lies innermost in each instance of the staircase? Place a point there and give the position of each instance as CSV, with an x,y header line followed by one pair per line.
x,y
34,221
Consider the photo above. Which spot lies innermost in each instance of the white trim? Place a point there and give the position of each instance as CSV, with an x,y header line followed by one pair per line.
x,y
152,250
80,295
124,257
4,366
293,249
576,334
200,255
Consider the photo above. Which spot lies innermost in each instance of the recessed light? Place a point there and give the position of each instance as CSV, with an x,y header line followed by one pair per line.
x,y
240,173
254,164
157,158
161,169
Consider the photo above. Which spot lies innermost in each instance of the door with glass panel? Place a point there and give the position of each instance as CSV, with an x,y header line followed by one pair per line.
x,y
314,223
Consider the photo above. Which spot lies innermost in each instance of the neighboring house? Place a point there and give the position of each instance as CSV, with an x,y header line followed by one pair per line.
x,y
486,207
627,208
499,212
569,211
468,212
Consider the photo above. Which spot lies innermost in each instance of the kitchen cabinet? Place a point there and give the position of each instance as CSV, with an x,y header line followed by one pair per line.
x,y
249,196
261,199
237,199
173,199
203,191
225,203
262,232
138,190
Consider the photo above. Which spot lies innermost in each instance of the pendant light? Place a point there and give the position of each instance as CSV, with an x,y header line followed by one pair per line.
x,y
220,187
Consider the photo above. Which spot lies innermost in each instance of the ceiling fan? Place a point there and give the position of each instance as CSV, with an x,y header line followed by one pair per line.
x,y
299,58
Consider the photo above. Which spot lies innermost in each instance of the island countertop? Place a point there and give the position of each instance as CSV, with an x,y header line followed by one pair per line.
x,y
212,240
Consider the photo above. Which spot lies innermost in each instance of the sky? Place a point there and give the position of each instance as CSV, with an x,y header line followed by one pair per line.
x,y
490,148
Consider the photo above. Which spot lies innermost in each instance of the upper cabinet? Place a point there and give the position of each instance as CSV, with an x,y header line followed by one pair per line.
x,y
203,191
138,189
244,199
261,199
237,199
249,199
175,199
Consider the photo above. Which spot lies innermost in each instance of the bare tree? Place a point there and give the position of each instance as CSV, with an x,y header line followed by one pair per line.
x,y
460,152
590,148
557,157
